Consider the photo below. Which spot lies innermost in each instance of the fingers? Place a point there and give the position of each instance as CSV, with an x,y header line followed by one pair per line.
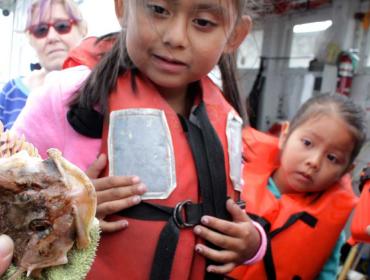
x,y
114,182
237,214
218,237
238,239
220,256
117,193
111,207
221,269
97,167
112,226
368,230
6,252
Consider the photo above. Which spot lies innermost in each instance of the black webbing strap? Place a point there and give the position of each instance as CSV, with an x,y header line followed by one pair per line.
x,y
184,214
189,213
268,259
303,216
165,251
208,155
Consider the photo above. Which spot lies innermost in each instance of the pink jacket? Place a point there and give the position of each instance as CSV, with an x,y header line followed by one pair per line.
x,y
44,123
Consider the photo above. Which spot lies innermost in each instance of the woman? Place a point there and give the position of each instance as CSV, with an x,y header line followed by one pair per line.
x,y
53,27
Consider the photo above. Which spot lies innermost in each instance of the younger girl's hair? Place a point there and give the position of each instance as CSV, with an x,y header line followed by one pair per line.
x,y
102,80
42,6
338,105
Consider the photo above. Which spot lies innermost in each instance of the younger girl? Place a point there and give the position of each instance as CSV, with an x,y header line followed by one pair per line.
x,y
161,118
299,189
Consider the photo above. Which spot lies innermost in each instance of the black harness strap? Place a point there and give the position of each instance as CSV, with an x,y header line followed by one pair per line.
x,y
268,260
210,163
303,216
208,155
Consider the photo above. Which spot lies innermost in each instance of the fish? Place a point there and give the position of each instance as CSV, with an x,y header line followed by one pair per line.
x,y
46,205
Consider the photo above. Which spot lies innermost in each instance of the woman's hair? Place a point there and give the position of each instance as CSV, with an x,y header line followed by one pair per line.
x,y
43,6
103,78
334,105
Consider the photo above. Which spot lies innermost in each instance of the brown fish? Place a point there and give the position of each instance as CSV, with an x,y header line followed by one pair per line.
x,y
45,205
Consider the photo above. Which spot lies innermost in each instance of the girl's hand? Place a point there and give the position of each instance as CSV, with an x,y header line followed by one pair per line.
x,y
368,230
239,239
6,252
114,193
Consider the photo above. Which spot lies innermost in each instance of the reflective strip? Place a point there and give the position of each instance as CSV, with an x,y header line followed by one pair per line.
x,y
234,140
140,143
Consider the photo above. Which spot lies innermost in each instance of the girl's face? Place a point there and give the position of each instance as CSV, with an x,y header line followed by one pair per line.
x,y
315,155
177,42
53,48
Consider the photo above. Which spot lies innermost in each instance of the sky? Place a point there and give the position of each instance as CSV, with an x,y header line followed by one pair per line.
x,y
15,52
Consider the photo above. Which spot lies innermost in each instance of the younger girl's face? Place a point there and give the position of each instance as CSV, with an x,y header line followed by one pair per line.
x,y
315,155
177,42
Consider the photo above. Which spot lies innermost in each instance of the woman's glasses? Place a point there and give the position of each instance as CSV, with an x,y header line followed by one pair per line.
x,y
41,30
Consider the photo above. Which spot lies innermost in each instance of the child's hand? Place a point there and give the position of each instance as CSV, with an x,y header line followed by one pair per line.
x,y
114,193
368,230
239,240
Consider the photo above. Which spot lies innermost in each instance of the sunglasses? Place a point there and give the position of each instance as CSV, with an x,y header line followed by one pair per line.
x,y
41,30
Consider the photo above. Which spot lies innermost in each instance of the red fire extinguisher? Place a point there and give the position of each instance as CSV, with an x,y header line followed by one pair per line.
x,y
346,69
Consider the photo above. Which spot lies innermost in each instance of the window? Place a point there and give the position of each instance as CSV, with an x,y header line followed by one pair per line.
x,y
306,39
250,51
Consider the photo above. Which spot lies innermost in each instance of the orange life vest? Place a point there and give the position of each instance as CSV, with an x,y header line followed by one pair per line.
x,y
298,250
361,216
88,52
129,254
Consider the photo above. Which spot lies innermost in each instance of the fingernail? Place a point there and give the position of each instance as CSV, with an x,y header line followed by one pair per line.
x,y
197,230
205,220
6,247
124,224
135,179
142,188
198,249
209,269
136,199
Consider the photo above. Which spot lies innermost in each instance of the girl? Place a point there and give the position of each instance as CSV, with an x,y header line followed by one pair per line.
x,y
161,118
299,188
53,27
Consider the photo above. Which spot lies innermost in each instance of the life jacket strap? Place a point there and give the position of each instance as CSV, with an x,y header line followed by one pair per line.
x,y
268,260
185,214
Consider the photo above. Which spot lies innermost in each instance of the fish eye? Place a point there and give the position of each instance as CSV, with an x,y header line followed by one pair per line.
x,y
23,197
39,225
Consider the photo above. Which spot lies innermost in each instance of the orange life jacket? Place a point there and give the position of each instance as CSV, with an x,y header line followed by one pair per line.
x,y
129,254
302,229
361,216
88,52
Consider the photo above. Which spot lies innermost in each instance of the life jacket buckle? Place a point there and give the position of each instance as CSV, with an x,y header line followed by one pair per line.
x,y
179,215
